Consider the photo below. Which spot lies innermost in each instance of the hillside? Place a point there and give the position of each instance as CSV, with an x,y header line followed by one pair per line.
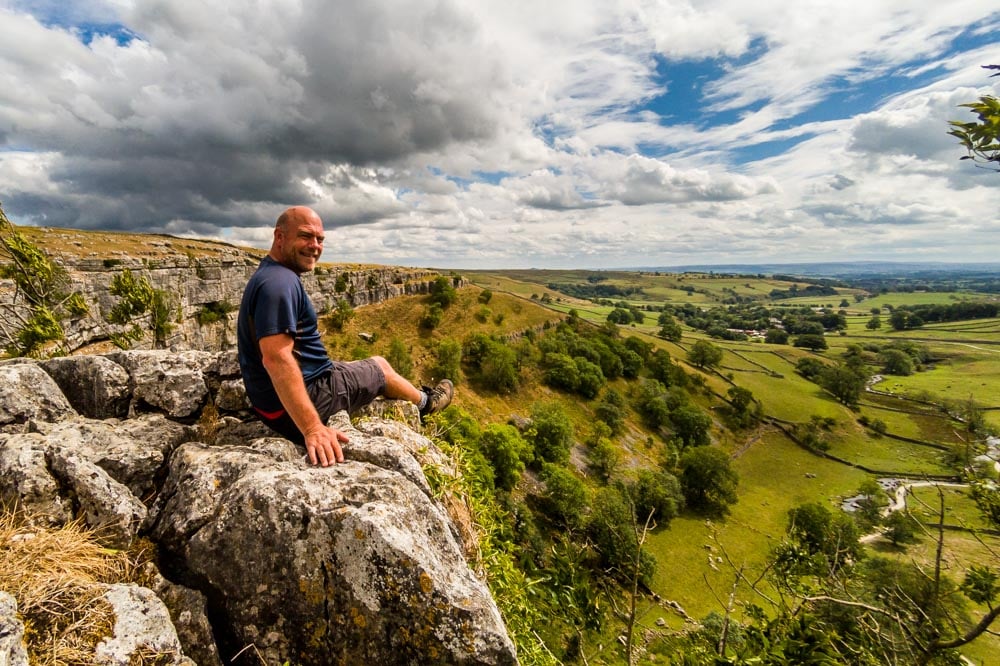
x,y
609,418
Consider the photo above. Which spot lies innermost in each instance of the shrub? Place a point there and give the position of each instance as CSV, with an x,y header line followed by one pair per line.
x,y
342,313
565,495
551,432
213,312
443,292
399,358
507,452
432,317
449,359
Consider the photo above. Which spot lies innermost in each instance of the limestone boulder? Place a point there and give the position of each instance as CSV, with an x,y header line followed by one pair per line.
x,y
171,381
96,386
106,506
12,650
27,392
25,480
189,612
142,627
133,452
347,564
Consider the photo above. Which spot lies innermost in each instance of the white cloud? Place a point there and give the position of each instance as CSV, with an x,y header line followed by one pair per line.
x,y
447,129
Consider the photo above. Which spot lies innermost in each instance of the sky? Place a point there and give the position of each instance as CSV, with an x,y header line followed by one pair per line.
x,y
508,134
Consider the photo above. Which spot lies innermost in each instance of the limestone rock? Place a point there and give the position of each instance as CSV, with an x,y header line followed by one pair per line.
x,y
96,386
12,650
25,480
142,625
188,611
105,505
232,396
28,392
351,563
133,452
171,381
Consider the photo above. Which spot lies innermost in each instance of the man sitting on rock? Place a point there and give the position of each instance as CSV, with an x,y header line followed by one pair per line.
x,y
292,384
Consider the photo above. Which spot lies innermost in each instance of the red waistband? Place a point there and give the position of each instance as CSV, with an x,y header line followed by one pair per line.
x,y
270,416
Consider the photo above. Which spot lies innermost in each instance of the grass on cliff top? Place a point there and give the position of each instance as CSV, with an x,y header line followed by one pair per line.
x,y
56,576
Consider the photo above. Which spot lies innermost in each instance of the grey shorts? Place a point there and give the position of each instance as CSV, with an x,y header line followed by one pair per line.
x,y
348,386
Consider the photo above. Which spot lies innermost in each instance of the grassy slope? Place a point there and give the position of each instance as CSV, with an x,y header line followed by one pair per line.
x,y
688,571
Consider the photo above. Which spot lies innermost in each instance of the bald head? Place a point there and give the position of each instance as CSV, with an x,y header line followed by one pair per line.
x,y
296,215
298,239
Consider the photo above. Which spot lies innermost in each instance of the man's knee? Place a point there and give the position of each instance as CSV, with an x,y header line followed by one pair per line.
x,y
384,365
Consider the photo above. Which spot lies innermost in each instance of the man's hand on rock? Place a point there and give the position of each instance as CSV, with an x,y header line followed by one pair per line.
x,y
323,446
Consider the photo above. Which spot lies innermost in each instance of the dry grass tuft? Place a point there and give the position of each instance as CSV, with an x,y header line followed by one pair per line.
x,y
55,574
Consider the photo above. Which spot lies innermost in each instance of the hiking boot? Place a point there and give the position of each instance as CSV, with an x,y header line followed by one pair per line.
x,y
438,397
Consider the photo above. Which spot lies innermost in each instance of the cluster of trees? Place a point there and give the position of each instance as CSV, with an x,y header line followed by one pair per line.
x,y
728,323
595,290
914,316
809,290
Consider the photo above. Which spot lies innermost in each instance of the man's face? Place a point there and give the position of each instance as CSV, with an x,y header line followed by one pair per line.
x,y
300,243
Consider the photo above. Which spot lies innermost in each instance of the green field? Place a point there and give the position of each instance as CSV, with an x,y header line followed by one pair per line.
x,y
776,474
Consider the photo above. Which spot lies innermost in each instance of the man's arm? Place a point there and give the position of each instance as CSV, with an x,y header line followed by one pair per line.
x,y
322,442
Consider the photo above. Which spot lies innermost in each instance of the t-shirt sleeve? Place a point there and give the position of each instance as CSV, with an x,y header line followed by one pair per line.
x,y
275,309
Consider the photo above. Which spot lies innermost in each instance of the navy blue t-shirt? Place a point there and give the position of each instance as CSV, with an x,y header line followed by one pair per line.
x,y
275,302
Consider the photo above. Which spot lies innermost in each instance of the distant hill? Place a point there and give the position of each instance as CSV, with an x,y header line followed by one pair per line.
x,y
843,269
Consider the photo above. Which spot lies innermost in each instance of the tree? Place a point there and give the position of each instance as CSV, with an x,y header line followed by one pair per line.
x,y
498,368
42,297
844,383
874,323
443,291
704,354
900,528
830,541
655,494
691,425
896,362
612,531
811,341
669,328
449,360
561,371
565,495
591,379
507,452
741,405
776,336
551,432
708,481
869,507
981,138
399,358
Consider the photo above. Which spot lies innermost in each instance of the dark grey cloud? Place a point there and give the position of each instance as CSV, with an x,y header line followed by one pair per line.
x,y
214,106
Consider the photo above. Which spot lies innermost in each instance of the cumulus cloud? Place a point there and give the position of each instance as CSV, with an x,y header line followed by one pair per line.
x,y
447,128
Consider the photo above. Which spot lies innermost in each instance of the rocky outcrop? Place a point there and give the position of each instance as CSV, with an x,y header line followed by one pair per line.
x,y
200,285
355,563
